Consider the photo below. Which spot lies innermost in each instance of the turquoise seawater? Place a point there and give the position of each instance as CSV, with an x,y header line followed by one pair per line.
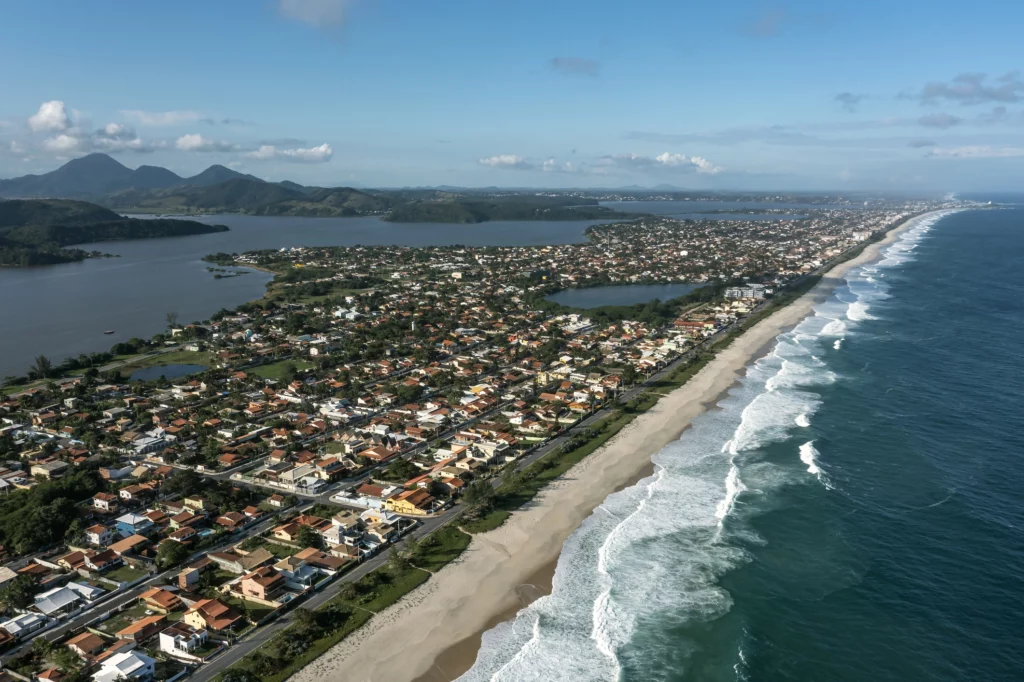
x,y
852,510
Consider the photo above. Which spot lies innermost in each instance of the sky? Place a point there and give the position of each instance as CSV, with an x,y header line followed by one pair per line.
x,y
797,95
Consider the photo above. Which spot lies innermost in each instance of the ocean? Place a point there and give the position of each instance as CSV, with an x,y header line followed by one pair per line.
x,y
851,510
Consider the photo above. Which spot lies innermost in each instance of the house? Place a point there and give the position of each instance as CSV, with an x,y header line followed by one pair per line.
x,y
197,503
104,502
129,544
297,573
61,601
238,563
413,502
231,520
103,561
182,640
319,560
213,615
276,500
161,600
263,583
98,535
132,524
143,628
86,644
127,665
49,470
25,624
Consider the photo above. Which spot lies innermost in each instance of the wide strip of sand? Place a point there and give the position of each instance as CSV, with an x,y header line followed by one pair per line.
x,y
432,634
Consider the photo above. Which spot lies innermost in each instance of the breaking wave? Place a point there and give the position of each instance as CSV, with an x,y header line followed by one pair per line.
x,y
681,528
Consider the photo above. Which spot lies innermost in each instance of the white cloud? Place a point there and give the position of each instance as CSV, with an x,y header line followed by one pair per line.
x,y
319,154
705,166
552,166
638,162
698,163
52,115
62,144
194,142
161,118
506,161
321,13
977,152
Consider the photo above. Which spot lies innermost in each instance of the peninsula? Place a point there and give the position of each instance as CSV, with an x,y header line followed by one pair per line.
x,y
37,231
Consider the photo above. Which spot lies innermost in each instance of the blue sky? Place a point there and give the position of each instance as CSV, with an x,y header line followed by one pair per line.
x,y
555,93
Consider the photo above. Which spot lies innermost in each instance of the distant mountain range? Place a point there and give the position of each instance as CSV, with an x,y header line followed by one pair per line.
x,y
98,174
102,180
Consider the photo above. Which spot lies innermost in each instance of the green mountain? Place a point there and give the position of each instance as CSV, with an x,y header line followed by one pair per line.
x,y
216,174
35,231
253,197
97,175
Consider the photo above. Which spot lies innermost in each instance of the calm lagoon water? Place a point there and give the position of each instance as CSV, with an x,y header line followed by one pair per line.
x,y
620,294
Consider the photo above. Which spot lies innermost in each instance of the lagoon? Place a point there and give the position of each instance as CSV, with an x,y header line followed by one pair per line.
x,y
620,294
63,310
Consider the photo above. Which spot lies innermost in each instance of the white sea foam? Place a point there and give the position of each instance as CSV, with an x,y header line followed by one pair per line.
x,y
809,456
648,560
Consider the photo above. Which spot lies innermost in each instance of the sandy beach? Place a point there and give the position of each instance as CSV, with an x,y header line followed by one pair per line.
x,y
432,635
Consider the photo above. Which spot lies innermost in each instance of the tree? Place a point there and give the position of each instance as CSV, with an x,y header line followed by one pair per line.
x,y
42,368
18,593
397,561
172,320
171,553
629,375
479,495
262,664
239,675
308,537
305,619
349,592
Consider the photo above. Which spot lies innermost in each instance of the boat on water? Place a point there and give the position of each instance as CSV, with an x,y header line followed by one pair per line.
x,y
109,331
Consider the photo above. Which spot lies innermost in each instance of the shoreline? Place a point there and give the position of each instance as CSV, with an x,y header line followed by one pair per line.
x,y
433,634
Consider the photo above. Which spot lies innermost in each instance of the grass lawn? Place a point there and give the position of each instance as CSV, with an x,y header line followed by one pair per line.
x,y
280,551
324,511
178,357
335,448
376,596
276,370
123,619
256,612
440,548
124,574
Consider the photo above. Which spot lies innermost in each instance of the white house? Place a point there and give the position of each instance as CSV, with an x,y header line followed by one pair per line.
x,y
25,624
130,665
65,600
182,640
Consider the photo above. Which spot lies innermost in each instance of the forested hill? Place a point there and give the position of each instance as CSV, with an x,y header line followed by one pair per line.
x,y
35,231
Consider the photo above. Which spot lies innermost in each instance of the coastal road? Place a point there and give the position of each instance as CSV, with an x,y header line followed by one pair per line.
x,y
252,642
132,594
